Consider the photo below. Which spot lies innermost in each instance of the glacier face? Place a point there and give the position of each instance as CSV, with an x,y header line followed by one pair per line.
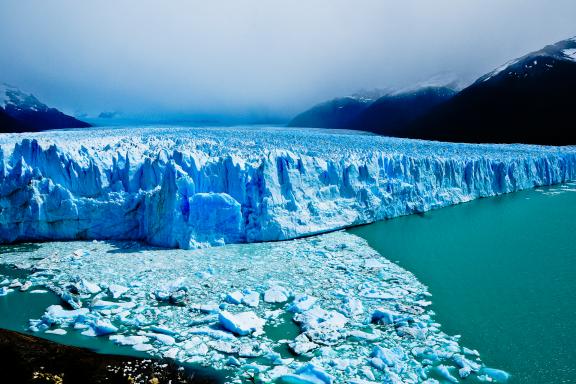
x,y
192,187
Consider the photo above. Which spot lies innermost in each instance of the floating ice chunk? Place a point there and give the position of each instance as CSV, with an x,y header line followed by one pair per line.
x,y
142,347
25,286
498,375
371,293
363,335
251,298
196,347
56,313
248,350
464,372
463,362
302,303
90,332
90,287
117,290
174,293
367,372
318,318
72,300
104,327
235,297
223,346
302,344
172,353
5,290
390,357
58,331
207,308
234,362
308,374
129,340
353,307
164,330
162,338
104,304
213,333
274,357
39,291
242,324
444,372
383,315
276,294
80,253
471,352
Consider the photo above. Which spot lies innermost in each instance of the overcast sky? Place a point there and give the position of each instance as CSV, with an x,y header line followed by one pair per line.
x,y
242,56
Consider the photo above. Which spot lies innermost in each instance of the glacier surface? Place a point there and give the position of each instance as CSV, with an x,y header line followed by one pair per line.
x,y
193,187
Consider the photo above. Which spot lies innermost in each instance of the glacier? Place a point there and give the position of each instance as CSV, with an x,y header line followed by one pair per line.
x,y
184,187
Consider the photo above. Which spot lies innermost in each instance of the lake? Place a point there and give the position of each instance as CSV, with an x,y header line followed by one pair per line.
x,y
502,272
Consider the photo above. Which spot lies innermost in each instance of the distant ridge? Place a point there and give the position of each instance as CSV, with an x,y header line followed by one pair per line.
x,y
338,112
391,114
387,114
22,112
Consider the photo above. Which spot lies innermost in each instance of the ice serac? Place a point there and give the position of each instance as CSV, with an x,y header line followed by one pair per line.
x,y
188,188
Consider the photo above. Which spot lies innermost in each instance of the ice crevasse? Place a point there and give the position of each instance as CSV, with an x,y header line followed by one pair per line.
x,y
193,187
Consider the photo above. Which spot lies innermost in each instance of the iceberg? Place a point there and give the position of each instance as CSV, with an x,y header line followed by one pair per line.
x,y
308,374
183,187
242,324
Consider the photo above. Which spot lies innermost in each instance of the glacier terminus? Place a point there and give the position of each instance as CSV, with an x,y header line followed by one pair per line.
x,y
189,187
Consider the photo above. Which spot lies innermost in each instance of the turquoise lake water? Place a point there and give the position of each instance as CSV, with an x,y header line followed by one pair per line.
x,y
502,272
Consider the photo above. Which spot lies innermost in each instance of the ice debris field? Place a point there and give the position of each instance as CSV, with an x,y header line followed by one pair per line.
x,y
324,309
191,187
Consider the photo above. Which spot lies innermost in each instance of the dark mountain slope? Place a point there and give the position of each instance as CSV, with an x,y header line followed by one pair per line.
x,y
9,124
390,114
23,112
336,113
529,100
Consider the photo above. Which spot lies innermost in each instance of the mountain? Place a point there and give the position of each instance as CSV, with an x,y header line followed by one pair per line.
x,y
387,113
336,113
528,100
22,112
8,123
391,114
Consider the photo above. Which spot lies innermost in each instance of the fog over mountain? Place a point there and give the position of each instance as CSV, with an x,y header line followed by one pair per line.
x,y
256,60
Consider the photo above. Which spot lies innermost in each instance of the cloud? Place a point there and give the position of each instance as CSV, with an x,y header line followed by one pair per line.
x,y
246,56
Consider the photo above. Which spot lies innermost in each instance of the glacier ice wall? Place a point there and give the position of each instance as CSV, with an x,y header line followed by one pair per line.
x,y
192,187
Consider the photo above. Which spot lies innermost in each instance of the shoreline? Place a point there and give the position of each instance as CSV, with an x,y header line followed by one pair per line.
x,y
31,359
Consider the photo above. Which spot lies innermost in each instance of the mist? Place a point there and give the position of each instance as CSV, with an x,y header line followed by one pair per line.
x,y
256,59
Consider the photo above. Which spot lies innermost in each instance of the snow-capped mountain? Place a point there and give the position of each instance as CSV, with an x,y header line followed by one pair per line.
x,y
21,112
535,63
527,100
